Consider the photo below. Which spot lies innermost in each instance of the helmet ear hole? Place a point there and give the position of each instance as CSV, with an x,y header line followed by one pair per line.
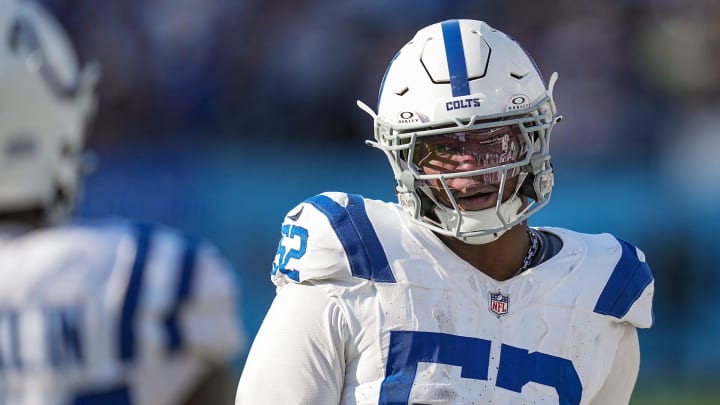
x,y
59,208
527,188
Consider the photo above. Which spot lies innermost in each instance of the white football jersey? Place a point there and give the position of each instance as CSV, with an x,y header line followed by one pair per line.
x,y
115,313
373,309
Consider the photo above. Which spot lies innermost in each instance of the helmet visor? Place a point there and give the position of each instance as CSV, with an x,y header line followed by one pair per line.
x,y
466,151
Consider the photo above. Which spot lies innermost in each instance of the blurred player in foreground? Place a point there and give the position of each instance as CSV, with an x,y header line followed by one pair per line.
x,y
448,296
97,313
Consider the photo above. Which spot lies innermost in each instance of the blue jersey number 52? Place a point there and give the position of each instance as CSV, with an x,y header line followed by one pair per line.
x,y
517,366
290,233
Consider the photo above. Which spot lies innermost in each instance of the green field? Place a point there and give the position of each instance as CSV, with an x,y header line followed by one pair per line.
x,y
684,397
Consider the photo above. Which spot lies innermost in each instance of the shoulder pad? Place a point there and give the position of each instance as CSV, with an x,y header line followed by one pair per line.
x,y
161,291
330,236
628,290
189,283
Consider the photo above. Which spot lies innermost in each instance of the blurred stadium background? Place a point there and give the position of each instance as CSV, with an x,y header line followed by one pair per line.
x,y
218,116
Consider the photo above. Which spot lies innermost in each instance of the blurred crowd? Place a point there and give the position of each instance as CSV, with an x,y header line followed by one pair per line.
x,y
629,69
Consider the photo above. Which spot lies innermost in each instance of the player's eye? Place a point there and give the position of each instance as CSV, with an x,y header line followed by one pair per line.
x,y
425,150
443,148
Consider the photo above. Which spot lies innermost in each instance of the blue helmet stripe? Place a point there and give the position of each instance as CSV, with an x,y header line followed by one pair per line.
x,y
626,284
455,53
353,227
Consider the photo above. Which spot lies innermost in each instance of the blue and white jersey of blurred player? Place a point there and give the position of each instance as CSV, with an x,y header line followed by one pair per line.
x,y
113,313
447,296
371,309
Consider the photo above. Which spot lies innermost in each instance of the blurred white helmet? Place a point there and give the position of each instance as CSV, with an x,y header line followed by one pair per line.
x,y
462,77
45,104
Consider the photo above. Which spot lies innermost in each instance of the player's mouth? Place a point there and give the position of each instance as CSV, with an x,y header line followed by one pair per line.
x,y
477,199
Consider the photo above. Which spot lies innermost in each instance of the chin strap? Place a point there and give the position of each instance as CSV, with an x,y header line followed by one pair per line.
x,y
471,221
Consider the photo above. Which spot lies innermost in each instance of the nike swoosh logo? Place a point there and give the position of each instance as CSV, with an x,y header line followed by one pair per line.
x,y
296,216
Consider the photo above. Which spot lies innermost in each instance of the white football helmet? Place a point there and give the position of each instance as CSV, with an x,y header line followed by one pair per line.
x,y
45,103
462,77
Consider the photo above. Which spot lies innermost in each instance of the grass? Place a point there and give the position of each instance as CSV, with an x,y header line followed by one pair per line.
x,y
663,396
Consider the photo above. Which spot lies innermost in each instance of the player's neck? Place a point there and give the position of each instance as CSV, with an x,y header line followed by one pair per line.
x,y
500,259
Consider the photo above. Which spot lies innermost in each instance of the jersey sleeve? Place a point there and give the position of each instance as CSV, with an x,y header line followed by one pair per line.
x,y
310,247
627,295
298,355
623,372
185,299
210,317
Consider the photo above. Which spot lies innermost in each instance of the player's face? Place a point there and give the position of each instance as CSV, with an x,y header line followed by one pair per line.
x,y
472,150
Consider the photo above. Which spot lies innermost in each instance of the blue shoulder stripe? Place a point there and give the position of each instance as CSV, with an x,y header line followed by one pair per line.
x,y
626,283
132,294
353,227
187,271
455,52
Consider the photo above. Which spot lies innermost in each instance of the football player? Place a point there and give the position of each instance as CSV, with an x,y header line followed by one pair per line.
x,y
108,313
448,297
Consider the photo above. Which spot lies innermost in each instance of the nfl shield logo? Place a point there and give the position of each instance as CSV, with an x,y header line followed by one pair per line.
x,y
499,303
